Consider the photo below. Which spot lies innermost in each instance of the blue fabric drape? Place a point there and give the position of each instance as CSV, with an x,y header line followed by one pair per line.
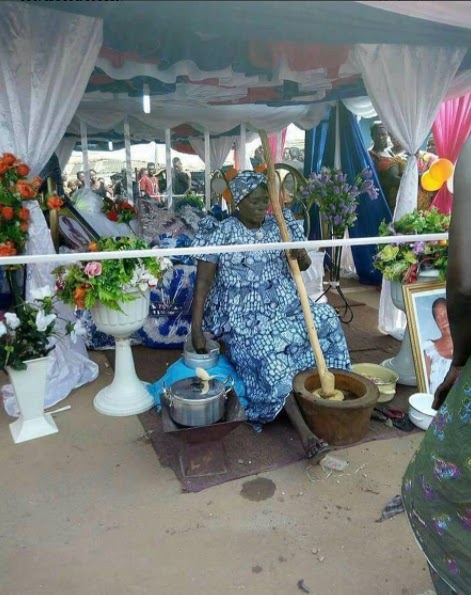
x,y
355,158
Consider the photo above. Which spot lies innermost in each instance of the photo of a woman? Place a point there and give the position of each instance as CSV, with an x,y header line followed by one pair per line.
x,y
438,352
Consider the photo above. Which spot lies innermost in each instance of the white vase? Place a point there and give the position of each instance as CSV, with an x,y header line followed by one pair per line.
x,y
403,362
30,387
126,395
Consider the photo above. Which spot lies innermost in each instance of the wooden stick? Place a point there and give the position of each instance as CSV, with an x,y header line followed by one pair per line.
x,y
326,378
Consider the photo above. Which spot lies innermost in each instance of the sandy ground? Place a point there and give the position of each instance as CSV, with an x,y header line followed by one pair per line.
x,y
90,511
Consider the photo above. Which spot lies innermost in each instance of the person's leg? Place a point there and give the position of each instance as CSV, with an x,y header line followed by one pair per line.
x,y
314,447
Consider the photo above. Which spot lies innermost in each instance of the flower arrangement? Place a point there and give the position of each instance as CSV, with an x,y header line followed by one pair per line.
x,y
26,333
120,211
336,198
14,217
403,262
110,282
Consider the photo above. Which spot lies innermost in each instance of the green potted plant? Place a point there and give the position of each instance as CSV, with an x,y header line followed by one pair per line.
x,y
117,292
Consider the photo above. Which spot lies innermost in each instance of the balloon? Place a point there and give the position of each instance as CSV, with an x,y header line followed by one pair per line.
x,y
428,183
441,170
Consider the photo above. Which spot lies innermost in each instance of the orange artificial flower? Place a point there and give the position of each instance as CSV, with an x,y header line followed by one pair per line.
x,y
93,247
24,189
8,159
23,213
36,182
3,168
8,213
7,249
79,297
55,202
24,226
22,169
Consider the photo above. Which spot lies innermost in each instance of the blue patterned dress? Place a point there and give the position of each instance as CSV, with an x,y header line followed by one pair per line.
x,y
253,306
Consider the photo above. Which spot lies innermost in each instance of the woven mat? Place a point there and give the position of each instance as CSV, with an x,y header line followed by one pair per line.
x,y
247,452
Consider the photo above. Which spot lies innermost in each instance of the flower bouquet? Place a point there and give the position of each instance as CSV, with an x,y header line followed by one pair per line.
x,y
14,217
119,211
27,333
403,262
109,282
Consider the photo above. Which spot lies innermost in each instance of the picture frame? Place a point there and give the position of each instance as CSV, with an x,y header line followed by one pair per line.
x,y
432,346
74,231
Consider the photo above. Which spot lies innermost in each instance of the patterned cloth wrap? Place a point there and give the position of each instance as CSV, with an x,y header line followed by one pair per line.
x,y
253,306
436,489
245,183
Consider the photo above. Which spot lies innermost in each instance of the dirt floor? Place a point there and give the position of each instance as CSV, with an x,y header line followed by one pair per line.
x,y
90,511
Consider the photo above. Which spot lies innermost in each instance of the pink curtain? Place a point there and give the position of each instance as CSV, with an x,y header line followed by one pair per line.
x,y
277,155
451,129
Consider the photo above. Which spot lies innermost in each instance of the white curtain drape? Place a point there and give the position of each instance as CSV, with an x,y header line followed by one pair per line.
x,y
360,106
64,151
219,149
41,85
406,85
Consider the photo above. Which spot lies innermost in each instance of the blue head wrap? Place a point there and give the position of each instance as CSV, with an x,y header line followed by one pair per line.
x,y
245,183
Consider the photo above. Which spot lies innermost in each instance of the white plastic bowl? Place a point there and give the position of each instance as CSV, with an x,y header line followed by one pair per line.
x,y
421,413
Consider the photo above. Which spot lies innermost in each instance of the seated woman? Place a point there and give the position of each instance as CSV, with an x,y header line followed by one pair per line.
x,y
250,302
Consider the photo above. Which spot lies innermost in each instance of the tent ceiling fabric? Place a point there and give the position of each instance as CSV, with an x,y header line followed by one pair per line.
x,y
215,64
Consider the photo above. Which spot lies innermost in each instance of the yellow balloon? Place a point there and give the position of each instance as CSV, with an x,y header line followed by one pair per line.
x,y
428,183
441,170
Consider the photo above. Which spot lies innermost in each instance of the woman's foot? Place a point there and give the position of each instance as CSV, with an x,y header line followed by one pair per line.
x,y
316,449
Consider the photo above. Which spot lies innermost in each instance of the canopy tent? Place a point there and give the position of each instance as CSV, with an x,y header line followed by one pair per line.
x,y
214,66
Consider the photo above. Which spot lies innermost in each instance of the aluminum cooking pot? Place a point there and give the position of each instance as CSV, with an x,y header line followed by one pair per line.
x,y
201,360
194,402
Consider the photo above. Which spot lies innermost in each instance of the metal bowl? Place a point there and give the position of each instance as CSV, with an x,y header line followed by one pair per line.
x,y
201,360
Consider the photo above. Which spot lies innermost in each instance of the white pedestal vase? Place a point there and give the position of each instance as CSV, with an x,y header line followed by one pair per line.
x,y
30,387
403,362
126,395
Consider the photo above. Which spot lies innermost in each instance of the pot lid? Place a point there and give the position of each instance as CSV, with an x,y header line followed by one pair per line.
x,y
194,388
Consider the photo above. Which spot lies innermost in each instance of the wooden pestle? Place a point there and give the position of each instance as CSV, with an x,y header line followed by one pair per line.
x,y
326,377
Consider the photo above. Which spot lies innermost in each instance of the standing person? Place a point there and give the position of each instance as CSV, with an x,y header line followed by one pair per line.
x,y
148,183
436,488
80,180
97,185
181,179
389,166
250,302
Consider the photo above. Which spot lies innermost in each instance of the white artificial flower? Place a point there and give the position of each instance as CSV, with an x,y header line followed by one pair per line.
x,y
165,263
42,292
78,331
3,329
12,320
43,321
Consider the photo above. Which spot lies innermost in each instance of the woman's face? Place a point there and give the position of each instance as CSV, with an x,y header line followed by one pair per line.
x,y
380,138
253,207
441,318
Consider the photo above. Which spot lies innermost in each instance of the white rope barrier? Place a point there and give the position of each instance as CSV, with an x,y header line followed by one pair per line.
x,y
191,251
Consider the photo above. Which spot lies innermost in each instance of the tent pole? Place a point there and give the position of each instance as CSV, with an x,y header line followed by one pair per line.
x,y
242,147
127,146
84,141
168,164
207,169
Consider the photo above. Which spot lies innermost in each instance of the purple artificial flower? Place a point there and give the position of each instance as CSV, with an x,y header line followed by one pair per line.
x,y
352,208
324,179
332,208
366,173
336,190
342,178
418,248
338,220
367,185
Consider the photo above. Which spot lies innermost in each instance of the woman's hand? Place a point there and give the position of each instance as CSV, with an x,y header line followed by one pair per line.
x,y
198,340
442,391
301,256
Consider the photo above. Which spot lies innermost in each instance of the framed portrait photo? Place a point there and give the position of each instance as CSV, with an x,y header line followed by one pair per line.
x,y
430,336
75,232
